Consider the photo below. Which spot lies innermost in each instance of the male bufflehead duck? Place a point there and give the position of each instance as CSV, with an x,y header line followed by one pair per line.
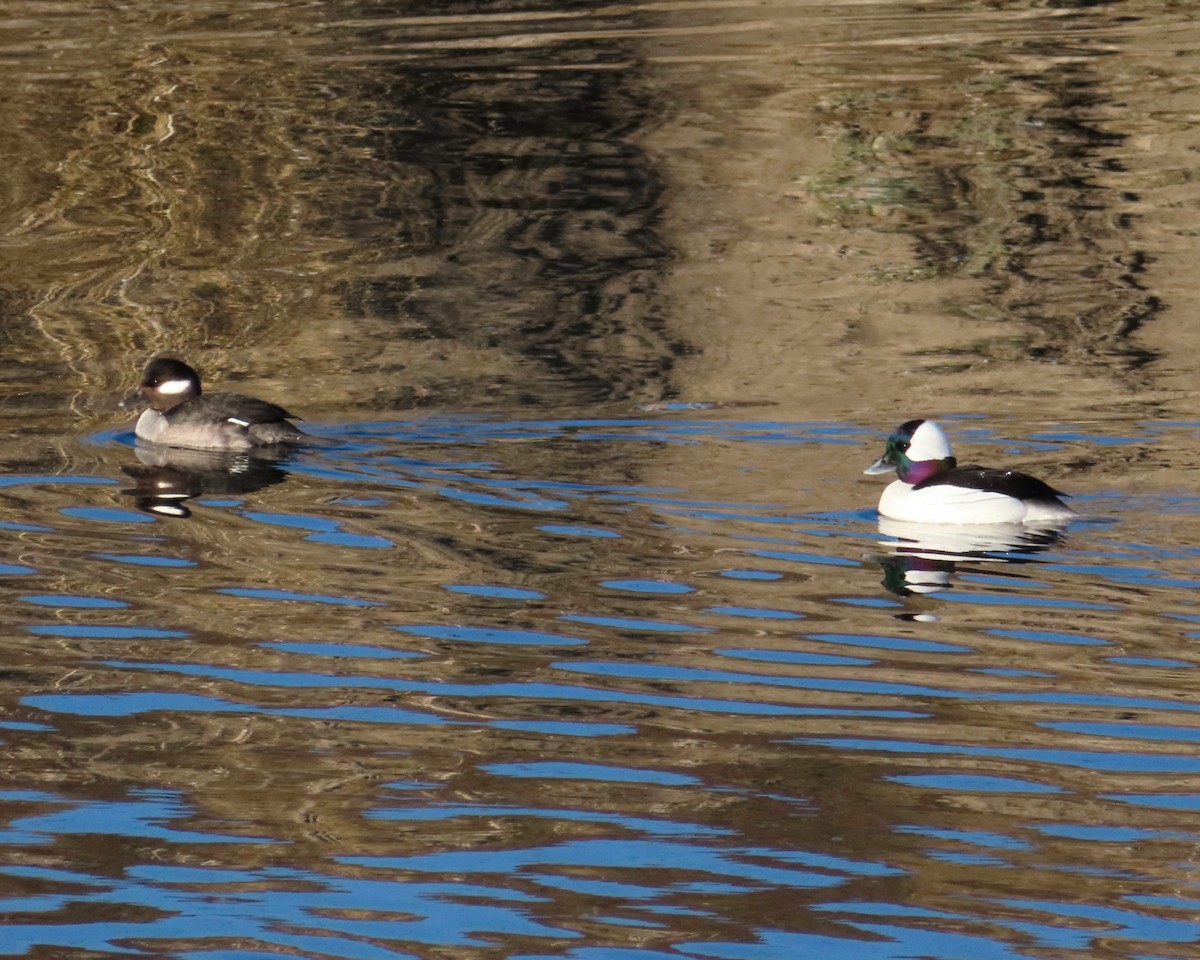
x,y
179,416
933,489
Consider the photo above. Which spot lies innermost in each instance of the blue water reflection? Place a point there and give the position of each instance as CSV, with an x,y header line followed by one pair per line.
x,y
381,707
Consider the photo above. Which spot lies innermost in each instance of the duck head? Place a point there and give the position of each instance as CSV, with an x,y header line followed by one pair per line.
x,y
166,383
917,451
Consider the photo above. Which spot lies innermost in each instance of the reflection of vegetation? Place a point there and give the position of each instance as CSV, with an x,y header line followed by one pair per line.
x,y
863,178
997,180
177,212
891,273
391,227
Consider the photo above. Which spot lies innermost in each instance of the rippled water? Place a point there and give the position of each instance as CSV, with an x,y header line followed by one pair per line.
x,y
462,684
578,633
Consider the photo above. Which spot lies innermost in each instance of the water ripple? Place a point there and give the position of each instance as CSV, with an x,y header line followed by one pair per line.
x,y
391,651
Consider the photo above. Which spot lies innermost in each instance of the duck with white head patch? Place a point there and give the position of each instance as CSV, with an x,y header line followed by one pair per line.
x,y
181,415
933,488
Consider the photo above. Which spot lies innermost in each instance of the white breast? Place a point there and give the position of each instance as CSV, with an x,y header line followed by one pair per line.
x,y
150,426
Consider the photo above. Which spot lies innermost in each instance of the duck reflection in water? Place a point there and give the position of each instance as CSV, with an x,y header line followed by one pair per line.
x,y
170,476
921,557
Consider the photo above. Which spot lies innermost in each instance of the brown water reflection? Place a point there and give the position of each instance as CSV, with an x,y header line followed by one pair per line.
x,y
594,672
475,222
476,200
968,213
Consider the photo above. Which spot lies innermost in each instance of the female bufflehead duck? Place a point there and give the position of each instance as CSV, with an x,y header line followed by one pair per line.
x,y
933,489
179,416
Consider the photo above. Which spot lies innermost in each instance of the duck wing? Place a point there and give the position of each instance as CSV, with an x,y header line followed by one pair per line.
x,y
1010,483
240,409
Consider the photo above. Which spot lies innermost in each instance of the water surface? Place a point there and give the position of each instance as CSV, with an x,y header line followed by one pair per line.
x,y
578,634
416,696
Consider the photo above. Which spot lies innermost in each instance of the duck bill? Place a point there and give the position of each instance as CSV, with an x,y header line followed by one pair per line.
x,y
882,465
133,400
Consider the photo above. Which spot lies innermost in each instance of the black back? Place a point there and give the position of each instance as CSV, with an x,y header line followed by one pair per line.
x,y
1009,482
225,405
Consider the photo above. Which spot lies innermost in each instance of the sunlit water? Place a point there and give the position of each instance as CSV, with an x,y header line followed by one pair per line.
x,y
463,685
577,635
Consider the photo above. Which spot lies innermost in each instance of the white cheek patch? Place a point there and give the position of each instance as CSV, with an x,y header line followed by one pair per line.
x,y
174,387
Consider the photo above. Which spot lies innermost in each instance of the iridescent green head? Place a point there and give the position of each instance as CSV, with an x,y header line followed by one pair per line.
x,y
916,451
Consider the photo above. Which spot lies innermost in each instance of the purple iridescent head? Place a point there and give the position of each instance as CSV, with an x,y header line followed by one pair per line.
x,y
917,451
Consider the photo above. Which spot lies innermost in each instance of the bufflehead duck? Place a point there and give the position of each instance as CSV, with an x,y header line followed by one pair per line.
x,y
179,416
933,489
